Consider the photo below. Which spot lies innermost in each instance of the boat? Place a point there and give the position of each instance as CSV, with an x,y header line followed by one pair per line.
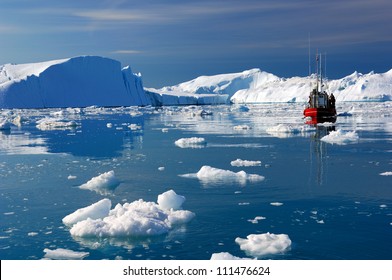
x,y
321,105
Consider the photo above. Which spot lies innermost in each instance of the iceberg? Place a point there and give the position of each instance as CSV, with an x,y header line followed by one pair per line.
x,y
257,86
137,219
74,82
258,245
340,137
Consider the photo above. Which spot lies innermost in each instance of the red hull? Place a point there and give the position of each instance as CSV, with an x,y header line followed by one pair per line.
x,y
320,115
320,112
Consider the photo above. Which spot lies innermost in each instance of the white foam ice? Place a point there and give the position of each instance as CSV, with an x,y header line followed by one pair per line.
x,y
341,137
212,175
258,245
192,142
102,184
239,162
225,256
64,254
139,218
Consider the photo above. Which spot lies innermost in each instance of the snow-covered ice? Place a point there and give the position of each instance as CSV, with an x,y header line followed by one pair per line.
x,y
258,245
192,142
96,210
103,183
208,174
64,254
341,137
139,218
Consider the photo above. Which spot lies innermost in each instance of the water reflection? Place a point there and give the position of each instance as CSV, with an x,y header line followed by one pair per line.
x,y
318,153
21,144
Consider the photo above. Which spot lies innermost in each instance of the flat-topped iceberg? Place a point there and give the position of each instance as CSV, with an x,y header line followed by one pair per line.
x,y
74,82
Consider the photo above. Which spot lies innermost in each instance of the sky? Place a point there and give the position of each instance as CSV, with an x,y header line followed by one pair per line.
x,y
170,42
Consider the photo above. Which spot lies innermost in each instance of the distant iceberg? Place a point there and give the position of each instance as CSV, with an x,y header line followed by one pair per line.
x,y
74,82
257,86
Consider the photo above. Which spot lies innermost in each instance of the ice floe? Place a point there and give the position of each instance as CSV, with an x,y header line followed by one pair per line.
x,y
192,142
139,218
208,174
239,162
387,173
276,203
225,256
102,184
258,245
64,254
341,137
48,123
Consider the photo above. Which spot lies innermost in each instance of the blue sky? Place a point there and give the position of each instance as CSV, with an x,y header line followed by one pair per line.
x,y
174,41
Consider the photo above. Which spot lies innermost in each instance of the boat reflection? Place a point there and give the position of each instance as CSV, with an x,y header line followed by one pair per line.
x,y
318,155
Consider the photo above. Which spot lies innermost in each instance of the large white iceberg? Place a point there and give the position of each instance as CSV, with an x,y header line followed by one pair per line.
x,y
74,82
257,86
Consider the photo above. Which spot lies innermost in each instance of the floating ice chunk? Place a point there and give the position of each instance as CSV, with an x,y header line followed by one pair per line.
x,y
388,173
161,168
134,126
33,233
257,245
138,218
257,219
226,256
97,210
170,200
193,142
340,137
208,174
102,184
239,162
55,124
109,125
64,254
276,203
71,177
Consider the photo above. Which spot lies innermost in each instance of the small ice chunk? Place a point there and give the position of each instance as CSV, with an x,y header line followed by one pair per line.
x,y
170,200
134,126
276,203
239,162
387,173
208,174
5,125
193,142
257,245
56,124
64,254
340,137
161,168
97,210
226,256
257,219
71,177
102,184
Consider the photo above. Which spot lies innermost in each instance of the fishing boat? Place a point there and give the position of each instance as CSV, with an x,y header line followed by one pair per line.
x,y
321,105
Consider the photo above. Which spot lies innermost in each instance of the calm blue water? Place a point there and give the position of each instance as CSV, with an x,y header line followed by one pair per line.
x,y
336,205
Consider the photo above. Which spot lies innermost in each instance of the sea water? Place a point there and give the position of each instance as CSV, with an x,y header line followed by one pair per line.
x,y
332,199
